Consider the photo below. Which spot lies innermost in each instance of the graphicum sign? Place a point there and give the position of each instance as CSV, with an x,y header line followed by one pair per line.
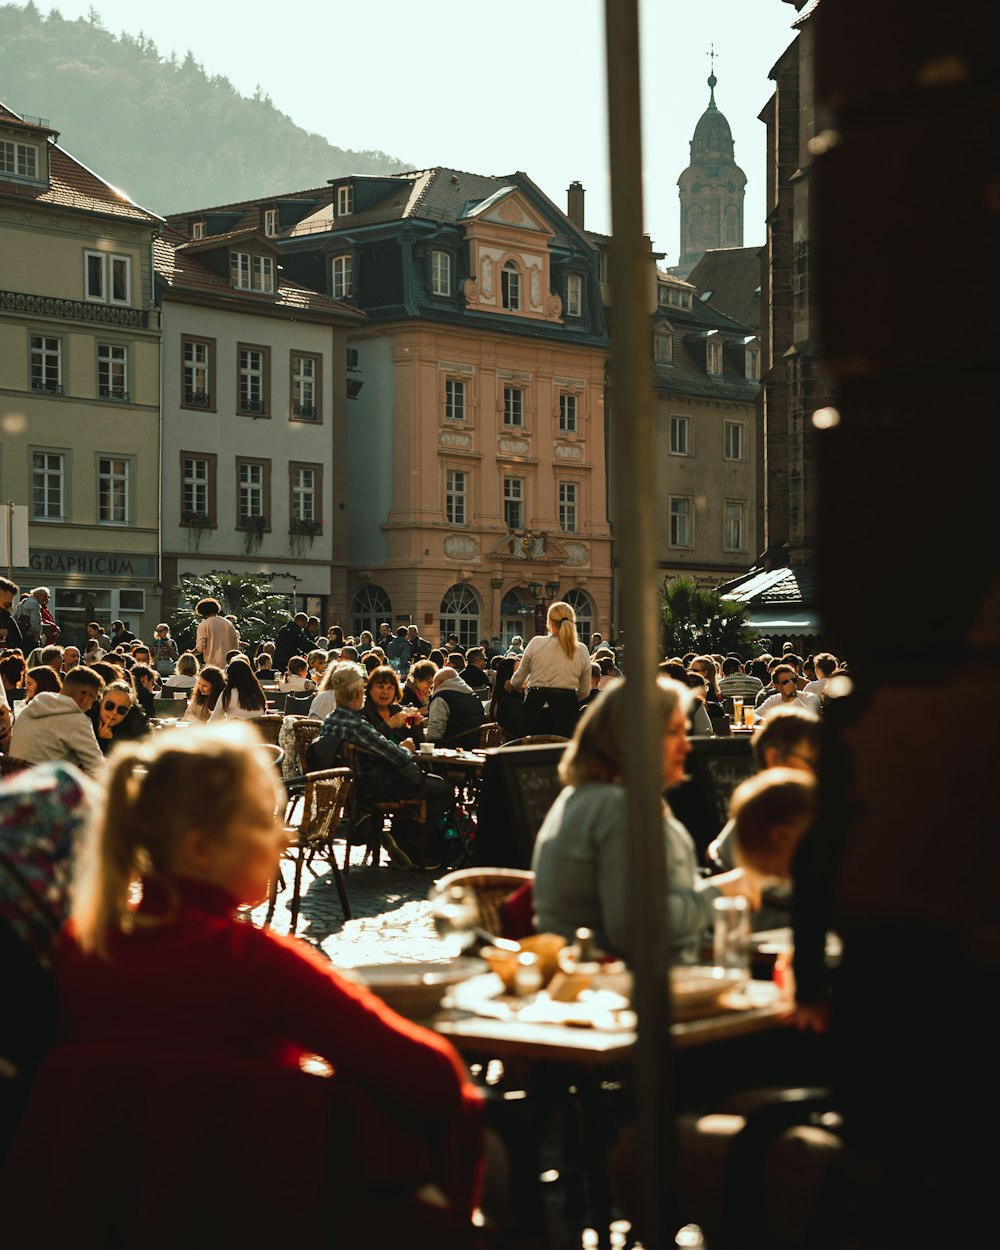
x,y
92,564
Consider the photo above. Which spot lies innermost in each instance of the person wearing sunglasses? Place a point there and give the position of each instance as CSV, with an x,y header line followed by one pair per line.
x,y
117,717
787,694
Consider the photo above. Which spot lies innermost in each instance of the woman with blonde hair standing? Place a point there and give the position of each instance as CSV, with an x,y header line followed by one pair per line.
x,y
555,670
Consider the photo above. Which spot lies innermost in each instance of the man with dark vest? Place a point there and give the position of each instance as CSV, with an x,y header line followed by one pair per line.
x,y
455,711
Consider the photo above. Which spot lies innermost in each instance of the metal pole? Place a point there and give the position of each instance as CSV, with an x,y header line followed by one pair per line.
x,y
635,492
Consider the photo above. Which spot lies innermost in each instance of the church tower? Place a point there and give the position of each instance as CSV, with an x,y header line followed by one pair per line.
x,y
711,190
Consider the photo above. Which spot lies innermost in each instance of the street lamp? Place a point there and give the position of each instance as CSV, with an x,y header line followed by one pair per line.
x,y
551,589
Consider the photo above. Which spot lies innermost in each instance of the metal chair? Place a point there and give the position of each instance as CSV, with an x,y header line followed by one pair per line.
x,y
298,703
325,796
490,735
415,808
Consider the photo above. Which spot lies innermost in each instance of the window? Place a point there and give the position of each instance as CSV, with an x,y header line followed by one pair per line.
x,y
46,364
454,496
198,230
510,286
734,434
680,521
694,225
343,277
48,489
663,348
440,273
369,608
513,502
580,602
112,371
198,489
733,527
454,399
513,406
604,266
305,495
753,364
713,361
270,222
345,200
460,615
574,295
18,159
251,273
567,412
680,436
112,490
567,507
253,493
197,373
306,369
254,380
108,278
732,225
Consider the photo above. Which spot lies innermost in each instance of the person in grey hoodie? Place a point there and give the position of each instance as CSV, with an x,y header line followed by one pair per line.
x,y
56,727
455,712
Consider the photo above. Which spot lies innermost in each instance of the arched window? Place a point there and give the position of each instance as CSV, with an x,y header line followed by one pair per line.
x,y
510,286
369,608
460,615
694,225
732,225
517,615
579,601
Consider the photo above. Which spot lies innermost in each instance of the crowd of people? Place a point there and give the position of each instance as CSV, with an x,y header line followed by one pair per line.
x,y
183,828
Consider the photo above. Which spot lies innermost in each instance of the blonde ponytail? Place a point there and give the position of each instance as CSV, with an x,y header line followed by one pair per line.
x,y
564,618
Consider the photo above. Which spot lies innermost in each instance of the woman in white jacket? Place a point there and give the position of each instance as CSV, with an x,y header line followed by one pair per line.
x,y
242,698
555,668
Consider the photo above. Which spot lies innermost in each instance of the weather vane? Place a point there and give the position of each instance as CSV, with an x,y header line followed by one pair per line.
x,y
711,54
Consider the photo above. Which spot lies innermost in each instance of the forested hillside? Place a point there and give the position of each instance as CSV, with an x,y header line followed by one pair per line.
x,y
164,131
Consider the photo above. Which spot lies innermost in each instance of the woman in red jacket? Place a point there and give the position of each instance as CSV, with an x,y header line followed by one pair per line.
x,y
190,818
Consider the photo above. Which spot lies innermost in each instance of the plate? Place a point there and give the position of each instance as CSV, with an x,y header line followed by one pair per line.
x,y
694,987
415,990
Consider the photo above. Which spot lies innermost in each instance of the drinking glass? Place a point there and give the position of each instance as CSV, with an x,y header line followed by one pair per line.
x,y
748,717
737,710
731,935
455,914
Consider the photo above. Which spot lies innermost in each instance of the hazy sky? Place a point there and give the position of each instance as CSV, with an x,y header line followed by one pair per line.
x,y
488,88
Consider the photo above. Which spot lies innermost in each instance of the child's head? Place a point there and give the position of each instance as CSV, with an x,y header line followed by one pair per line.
x,y
198,804
298,666
772,811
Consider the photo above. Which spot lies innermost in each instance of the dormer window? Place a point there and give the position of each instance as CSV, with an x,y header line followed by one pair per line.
x,y
270,222
663,348
713,356
251,273
440,273
18,160
574,295
345,200
198,230
343,277
510,286
753,363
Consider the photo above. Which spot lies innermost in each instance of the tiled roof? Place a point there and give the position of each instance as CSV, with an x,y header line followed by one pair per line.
x,y
686,373
181,271
212,241
732,275
72,185
789,585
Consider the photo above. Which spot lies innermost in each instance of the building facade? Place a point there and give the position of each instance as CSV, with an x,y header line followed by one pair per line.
x,y
254,419
79,382
475,431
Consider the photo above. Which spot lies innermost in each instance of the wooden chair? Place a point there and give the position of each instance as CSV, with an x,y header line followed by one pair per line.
x,y
325,796
10,764
490,735
269,725
276,754
415,808
491,886
305,731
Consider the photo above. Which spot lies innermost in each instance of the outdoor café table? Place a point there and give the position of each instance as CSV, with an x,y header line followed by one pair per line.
x,y
569,1061
461,768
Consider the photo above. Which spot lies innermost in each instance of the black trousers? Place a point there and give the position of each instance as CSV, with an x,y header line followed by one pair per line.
x,y
548,710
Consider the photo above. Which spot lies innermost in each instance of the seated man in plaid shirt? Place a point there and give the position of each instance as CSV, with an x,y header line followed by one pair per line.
x,y
385,771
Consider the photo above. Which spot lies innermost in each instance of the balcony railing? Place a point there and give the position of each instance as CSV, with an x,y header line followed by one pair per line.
x,y
252,408
197,399
49,388
77,310
305,412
